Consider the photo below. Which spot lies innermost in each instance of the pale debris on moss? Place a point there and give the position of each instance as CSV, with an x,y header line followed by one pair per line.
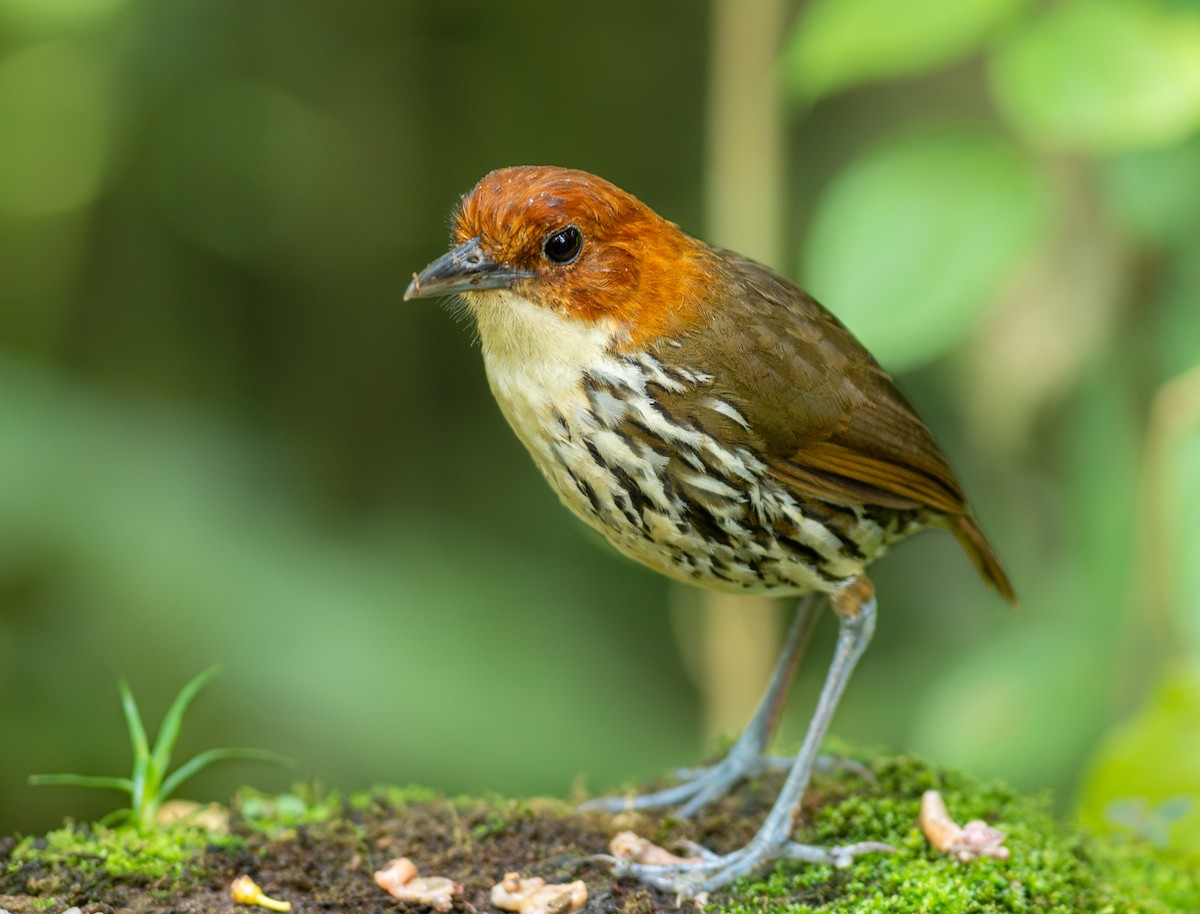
x,y
964,842
400,879
633,847
211,817
536,896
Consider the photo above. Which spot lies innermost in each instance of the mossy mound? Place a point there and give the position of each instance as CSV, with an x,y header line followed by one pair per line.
x,y
1053,867
319,851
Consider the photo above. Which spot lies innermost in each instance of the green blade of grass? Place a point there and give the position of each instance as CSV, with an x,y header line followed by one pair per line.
x,y
117,815
140,789
206,758
138,742
133,722
168,733
82,780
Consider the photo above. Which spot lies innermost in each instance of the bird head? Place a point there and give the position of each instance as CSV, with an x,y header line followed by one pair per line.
x,y
572,245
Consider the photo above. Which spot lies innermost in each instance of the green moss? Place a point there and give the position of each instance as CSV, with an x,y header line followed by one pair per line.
x,y
395,797
1141,880
1053,869
280,814
84,852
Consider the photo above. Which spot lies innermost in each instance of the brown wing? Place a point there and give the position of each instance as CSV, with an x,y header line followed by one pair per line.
x,y
831,420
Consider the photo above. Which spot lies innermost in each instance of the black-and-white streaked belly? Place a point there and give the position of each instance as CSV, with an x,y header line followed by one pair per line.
x,y
668,495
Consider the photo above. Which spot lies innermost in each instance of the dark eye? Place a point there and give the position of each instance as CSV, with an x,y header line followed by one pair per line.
x,y
563,247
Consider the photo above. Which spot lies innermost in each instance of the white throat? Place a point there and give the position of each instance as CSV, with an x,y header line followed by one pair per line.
x,y
535,358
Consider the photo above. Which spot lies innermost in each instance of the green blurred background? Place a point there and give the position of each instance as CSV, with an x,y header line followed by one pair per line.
x,y
224,438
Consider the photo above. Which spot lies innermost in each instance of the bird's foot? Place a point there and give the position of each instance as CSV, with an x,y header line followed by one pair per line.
x,y
706,871
700,786
710,871
697,788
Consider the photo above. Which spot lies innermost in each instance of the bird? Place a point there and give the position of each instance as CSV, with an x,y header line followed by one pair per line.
x,y
712,421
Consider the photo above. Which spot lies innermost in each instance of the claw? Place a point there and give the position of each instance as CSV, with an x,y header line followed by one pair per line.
x,y
838,857
687,879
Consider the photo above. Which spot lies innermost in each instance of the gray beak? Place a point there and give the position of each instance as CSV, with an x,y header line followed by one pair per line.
x,y
467,268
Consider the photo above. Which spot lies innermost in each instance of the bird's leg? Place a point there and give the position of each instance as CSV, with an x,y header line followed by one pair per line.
x,y
855,607
701,786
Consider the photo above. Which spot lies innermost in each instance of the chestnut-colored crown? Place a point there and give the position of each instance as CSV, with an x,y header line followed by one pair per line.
x,y
633,266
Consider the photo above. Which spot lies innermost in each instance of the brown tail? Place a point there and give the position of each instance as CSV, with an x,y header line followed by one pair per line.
x,y
980,550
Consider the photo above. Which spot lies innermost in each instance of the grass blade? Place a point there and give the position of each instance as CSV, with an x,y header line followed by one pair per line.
x,y
117,815
133,722
206,758
82,780
168,733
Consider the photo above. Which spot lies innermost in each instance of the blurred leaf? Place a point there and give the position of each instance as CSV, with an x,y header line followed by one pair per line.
x,y
1178,325
1148,766
1187,556
1148,823
911,241
1156,193
838,43
1102,76
55,120
1174,444
979,713
1101,452
42,16
1145,765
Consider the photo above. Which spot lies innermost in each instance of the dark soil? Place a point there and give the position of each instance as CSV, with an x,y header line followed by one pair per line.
x,y
328,866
